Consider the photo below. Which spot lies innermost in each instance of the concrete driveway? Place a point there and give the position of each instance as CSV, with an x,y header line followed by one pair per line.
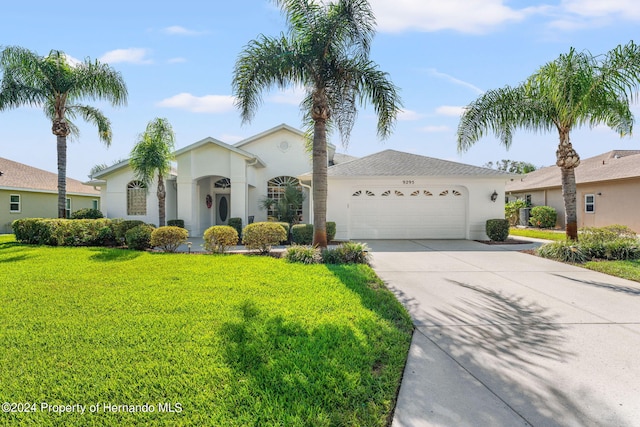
x,y
505,338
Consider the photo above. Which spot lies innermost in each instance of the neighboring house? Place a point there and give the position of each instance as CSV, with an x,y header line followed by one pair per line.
x,y
385,195
28,192
608,190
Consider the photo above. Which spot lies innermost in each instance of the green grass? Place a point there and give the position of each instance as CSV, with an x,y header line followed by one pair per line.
x,y
537,234
629,269
233,340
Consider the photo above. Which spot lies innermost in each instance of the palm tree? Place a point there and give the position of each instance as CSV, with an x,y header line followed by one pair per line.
x,y
287,206
55,84
574,90
153,154
326,51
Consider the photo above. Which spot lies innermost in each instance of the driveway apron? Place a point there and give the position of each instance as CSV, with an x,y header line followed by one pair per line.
x,y
504,338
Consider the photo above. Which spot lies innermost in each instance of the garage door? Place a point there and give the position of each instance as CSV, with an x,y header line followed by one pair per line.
x,y
402,213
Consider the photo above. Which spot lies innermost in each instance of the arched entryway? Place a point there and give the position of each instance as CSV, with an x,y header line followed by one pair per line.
x,y
214,200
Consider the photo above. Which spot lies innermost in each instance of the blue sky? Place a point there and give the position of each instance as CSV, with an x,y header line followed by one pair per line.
x,y
177,59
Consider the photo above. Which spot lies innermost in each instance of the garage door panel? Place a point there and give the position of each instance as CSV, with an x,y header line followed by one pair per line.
x,y
436,213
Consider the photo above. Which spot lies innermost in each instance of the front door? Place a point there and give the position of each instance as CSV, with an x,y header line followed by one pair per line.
x,y
222,209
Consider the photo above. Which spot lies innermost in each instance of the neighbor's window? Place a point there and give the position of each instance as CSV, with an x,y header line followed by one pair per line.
x,y
14,203
136,198
527,199
94,205
275,191
68,208
589,203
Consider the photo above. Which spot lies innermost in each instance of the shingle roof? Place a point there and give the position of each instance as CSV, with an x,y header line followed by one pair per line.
x,y
398,163
616,164
20,176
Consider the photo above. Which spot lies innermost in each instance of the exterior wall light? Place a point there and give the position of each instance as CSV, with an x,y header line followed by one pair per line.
x,y
494,196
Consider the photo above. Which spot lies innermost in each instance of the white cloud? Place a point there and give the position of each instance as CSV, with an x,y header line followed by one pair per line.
x,y
434,129
454,80
627,9
292,96
177,30
74,62
450,110
178,60
478,16
132,55
409,115
199,104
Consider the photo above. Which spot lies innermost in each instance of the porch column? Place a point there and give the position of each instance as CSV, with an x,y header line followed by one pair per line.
x,y
187,205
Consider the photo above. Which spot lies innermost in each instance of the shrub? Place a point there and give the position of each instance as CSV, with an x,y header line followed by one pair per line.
x,y
237,224
64,232
286,227
347,253
512,211
87,213
614,242
219,237
497,229
302,234
622,249
304,254
263,235
139,237
565,251
331,230
122,226
168,238
543,217
176,223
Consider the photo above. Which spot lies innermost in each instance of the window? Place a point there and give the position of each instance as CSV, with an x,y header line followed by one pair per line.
x,y
68,208
136,198
95,205
275,191
589,203
14,203
527,199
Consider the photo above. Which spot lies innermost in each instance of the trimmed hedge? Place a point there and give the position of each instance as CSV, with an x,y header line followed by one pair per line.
x,y
139,237
220,237
237,224
497,229
331,230
263,235
87,213
168,238
64,232
302,234
121,227
176,223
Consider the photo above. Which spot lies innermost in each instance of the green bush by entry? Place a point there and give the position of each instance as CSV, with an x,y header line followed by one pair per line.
x,y
497,229
263,235
302,234
176,223
168,238
139,237
543,217
237,224
220,237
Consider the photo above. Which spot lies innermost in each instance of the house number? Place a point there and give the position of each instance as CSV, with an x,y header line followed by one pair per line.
x,y
408,181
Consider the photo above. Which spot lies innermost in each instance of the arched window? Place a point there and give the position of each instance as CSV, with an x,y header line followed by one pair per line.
x,y
275,191
136,198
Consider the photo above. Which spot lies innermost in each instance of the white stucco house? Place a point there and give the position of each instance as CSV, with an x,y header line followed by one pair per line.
x,y
387,195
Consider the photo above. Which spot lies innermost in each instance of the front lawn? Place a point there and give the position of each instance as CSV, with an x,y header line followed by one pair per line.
x,y
142,338
629,269
537,233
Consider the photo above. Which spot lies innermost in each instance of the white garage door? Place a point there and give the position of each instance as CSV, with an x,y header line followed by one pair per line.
x,y
408,213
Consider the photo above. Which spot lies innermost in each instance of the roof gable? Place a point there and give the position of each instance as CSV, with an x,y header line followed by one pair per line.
x,y
398,163
19,176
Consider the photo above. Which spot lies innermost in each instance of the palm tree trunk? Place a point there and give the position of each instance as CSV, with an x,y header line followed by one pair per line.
x,y
62,175
162,195
320,115
567,159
